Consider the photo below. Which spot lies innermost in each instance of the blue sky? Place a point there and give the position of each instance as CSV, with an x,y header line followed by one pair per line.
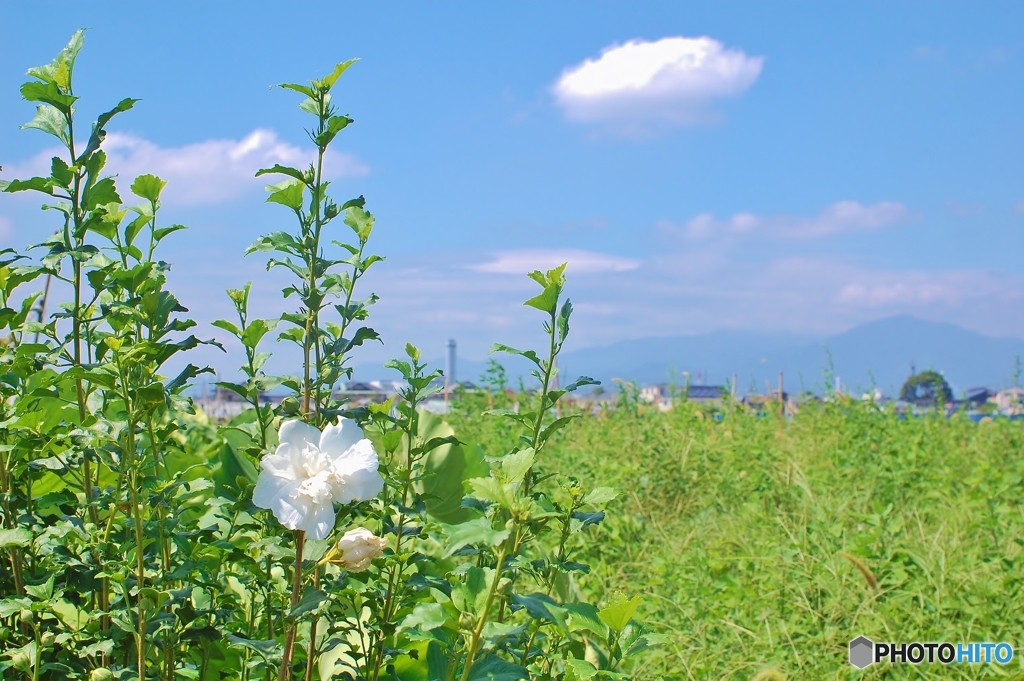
x,y
797,167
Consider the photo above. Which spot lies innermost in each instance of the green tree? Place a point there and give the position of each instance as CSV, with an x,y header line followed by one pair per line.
x,y
926,387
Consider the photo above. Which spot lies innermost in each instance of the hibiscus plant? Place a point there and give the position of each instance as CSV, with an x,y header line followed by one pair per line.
x,y
304,538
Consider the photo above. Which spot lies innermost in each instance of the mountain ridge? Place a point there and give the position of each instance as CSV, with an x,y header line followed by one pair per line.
x,y
878,353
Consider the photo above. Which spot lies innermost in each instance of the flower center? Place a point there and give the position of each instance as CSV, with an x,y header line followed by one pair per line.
x,y
320,478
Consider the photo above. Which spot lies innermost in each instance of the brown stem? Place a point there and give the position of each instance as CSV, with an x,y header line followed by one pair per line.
x,y
285,673
312,632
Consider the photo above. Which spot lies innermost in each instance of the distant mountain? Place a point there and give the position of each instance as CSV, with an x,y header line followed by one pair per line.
x,y
877,354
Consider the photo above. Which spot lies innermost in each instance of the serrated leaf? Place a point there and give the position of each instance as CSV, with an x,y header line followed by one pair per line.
x,y
289,193
18,536
516,465
477,531
617,616
329,80
148,187
50,120
310,601
283,170
600,495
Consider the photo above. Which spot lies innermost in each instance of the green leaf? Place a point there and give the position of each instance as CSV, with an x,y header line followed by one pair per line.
x,y
361,222
269,650
159,234
491,489
38,184
19,536
545,301
516,465
335,124
60,172
283,170
536,605
600,495
425,617
148,187
48,93
51,121
584,616
581,519
41,592
328,81
563,320
490,667
579,670
227,326
303,89
437,663
556,425
288,193
644,643
528,354
100,194
617,616
122,106
188,373
59,70
445,469
256,330
310,601
478,531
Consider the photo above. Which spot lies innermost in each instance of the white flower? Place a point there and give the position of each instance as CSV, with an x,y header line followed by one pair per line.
x,y
359,547
311,470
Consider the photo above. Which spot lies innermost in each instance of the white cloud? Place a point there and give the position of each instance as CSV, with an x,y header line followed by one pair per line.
x,y
842,216
523,261
212,171
672,79
1019,208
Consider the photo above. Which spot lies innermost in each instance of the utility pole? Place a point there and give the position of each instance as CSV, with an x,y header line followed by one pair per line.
x,y
782,397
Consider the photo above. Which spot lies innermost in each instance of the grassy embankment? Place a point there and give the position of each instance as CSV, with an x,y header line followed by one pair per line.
x,y
745,534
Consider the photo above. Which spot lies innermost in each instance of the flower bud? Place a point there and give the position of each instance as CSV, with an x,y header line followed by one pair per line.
x,y
101,674
47,639
27,617
359,547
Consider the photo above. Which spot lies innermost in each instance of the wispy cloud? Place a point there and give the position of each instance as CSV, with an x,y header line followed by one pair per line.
x,y
671,80
580,262
842,216
1019,208
207,172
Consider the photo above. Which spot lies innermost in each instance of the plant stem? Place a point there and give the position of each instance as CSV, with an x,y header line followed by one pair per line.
x,y
140,566
285,672
310,653
474,642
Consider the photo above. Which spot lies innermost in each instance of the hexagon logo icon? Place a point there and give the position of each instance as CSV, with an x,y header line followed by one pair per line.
x,y
862,652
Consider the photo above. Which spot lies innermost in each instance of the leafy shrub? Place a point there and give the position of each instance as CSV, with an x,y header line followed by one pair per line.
x,y
133,547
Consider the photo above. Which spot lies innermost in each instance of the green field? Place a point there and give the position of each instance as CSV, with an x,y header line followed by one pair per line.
x,y
735,531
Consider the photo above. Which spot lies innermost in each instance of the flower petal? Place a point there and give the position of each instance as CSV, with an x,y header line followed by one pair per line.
x,y
335,440
268,488
358,485
283,463
359,456
319,523
282,498
297,432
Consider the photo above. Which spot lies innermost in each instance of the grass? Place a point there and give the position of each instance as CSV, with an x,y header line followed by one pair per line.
x,y
764,546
